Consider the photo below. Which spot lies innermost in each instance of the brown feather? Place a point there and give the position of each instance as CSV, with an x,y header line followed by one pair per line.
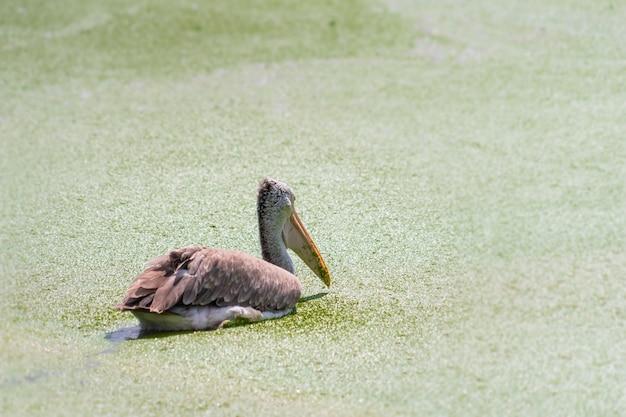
x,y
161,295
195,275
144,303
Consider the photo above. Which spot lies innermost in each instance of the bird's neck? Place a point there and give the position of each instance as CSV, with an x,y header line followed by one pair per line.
x,y
272,245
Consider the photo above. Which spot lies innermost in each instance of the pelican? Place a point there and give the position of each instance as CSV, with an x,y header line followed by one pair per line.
x,y
200,288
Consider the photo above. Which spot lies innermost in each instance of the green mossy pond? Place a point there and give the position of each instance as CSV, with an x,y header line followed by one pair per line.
x,y
460,165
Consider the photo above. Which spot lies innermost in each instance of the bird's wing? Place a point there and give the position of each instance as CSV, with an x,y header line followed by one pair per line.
x,y
196,275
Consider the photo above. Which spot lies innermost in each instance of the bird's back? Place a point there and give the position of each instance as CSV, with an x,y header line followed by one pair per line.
x,y
200,276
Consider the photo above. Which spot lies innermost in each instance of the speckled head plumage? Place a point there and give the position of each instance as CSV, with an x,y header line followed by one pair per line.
x,y
274,206
274,195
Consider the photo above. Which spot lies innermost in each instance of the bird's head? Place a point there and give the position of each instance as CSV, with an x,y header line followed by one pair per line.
x,y
276,200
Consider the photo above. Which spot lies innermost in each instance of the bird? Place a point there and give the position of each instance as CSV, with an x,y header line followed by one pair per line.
x,y
202,288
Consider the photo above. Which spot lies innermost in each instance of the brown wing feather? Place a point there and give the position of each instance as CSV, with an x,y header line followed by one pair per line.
x,y
196,275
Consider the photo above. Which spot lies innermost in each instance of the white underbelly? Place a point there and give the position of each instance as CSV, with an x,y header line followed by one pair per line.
x,y
182,318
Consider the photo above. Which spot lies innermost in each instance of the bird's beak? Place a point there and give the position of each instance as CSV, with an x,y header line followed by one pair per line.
x,y
298,240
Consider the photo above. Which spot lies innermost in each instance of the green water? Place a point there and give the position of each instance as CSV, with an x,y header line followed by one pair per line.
x,y
460,166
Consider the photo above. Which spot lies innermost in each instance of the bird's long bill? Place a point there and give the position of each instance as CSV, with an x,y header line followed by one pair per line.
x,y
298,240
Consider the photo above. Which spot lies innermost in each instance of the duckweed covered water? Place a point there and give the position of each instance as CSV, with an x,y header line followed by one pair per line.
x,y
460,167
